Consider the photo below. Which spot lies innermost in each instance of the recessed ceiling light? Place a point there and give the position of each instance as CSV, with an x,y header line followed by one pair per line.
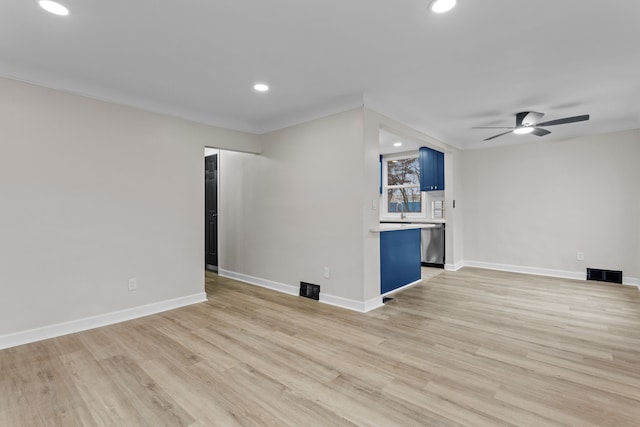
x,y
53,7
261,87
397,144
441,6
523,130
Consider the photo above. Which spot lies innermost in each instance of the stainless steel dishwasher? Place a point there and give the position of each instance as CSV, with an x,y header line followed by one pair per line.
x,y
432,246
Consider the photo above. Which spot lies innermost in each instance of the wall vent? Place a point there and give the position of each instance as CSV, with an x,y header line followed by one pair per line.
x,y
309,290
612,276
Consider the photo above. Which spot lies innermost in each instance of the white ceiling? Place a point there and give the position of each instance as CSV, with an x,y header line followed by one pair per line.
x,y
388,139
478,65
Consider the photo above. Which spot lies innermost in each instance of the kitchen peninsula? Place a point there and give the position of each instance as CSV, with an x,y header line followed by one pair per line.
x,y
399,255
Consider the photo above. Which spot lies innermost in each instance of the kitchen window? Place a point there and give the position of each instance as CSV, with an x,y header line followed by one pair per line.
x,y
401,195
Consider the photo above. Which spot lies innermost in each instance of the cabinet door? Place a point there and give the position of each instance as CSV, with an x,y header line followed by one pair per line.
x,y
431,170
399,258
427,163
439,171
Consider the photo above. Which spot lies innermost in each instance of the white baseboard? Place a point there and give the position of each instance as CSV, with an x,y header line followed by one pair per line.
x,y
349,304
401,288
79,325
526,270
631,281
263,283
372,304
454,267
563,274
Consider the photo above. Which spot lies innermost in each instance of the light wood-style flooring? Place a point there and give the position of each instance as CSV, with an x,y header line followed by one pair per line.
x,y
473,348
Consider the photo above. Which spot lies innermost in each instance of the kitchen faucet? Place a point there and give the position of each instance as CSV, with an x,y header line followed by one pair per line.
x,y
403,212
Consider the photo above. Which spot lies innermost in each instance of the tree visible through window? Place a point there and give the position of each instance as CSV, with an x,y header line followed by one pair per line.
x,y
403,185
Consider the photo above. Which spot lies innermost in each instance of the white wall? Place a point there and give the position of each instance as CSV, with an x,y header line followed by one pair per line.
x,y
93,194
233,191
309,201
295,209
535,205
371,216
455,223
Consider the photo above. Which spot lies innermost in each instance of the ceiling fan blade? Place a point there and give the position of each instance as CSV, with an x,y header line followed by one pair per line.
x,y
495,136
565,120
540,132
531,118
492,127
520,117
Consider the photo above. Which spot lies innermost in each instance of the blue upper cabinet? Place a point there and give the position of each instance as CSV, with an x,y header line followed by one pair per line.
x,y
431,170
439,170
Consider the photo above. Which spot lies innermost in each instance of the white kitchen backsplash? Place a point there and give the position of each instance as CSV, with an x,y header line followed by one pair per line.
x,y
437,209
435,205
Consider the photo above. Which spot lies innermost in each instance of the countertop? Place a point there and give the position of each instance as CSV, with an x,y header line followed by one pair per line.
x,y
413,220
395,227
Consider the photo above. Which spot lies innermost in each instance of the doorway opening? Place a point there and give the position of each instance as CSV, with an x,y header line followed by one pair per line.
x,y
211,209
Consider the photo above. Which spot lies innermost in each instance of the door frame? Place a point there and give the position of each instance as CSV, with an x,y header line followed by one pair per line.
x,y
210,151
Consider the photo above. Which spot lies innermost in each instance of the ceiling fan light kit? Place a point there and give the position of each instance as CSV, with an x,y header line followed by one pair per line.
x,y
523,130
53,7
529,122
442,6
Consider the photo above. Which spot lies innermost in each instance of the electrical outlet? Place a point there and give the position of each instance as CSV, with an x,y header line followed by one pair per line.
x,y
325,272
580,256
133,284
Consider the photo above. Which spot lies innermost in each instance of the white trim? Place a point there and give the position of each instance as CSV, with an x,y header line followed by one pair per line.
x,y
408,285
372,304
384,203
263,283
563,274
349,304
526,270
79,325
454,267
631,281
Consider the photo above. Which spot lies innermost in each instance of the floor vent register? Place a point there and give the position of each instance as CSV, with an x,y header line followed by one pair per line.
x,y
309,290
611,276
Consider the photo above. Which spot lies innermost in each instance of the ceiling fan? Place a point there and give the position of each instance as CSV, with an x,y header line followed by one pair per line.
x,y
527,122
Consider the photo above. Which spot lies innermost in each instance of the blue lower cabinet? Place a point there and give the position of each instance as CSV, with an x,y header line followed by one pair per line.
x,y
399,258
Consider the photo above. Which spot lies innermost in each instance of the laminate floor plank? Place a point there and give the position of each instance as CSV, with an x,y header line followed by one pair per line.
x,y
193,393
150,404
467,348
107,403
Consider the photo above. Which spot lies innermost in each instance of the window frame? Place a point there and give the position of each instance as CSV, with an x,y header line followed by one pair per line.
x,y
385,187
